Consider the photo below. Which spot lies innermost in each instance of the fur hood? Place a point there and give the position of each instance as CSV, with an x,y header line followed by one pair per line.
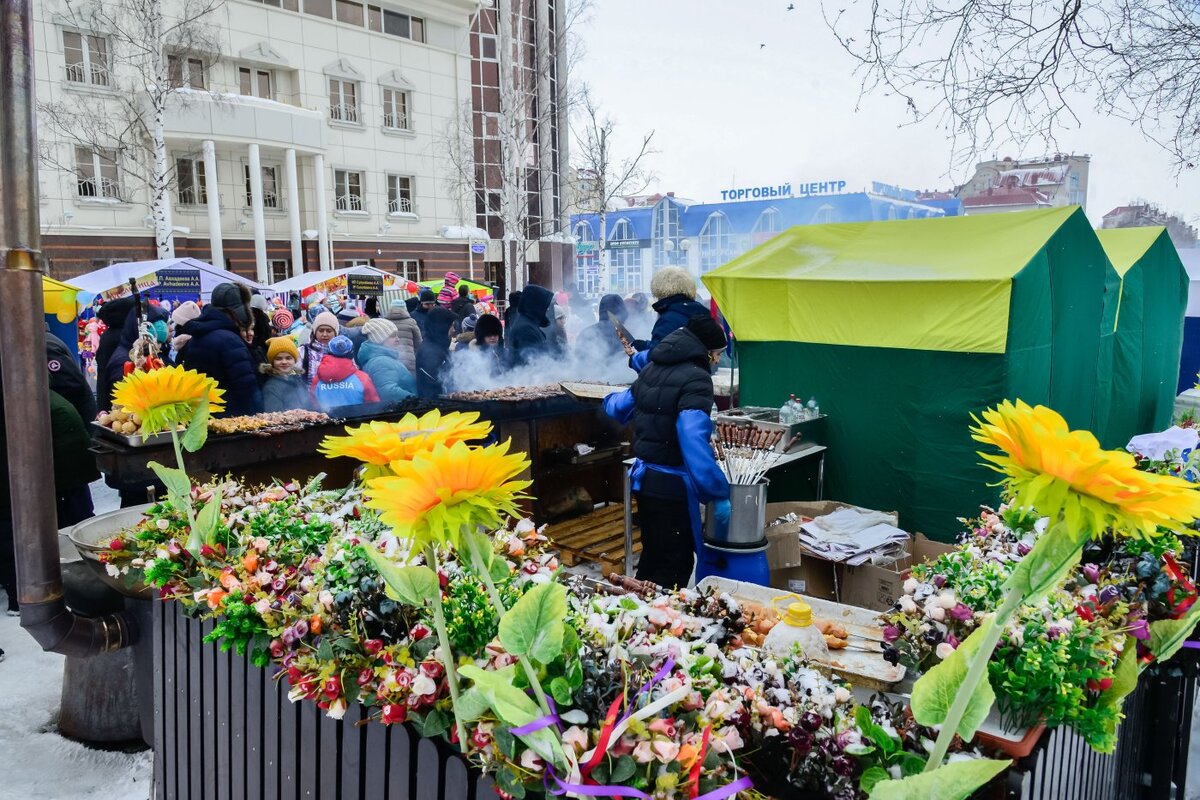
x,y
271,372
670,281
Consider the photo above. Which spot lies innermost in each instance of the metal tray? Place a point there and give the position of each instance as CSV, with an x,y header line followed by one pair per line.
x,y
586,390
863,670
134,440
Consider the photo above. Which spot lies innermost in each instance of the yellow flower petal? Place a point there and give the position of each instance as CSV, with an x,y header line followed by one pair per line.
x,y
151,394
381,443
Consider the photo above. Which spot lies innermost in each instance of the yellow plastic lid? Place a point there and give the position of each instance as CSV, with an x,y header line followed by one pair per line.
x,y
798,614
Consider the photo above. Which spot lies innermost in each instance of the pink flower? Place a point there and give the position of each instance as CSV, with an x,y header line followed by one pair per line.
x,y
944,650
530,761
261,544
643,753
575,737
730,738
664,726
665,751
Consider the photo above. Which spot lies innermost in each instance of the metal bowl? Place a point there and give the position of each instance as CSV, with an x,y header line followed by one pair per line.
x,y
91,538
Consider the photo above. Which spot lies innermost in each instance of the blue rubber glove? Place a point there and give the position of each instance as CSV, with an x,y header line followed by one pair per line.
x,y
722,510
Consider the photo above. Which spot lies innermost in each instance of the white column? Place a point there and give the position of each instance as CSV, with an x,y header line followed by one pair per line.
x,y
322,216
256,209
293,187
212,193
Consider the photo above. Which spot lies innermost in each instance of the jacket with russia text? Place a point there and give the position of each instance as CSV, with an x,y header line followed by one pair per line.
x,y
340,383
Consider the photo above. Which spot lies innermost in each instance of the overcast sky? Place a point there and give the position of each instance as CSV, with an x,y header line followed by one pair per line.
x,y
727,112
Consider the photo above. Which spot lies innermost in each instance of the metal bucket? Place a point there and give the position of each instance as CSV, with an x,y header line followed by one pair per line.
x,y
747,520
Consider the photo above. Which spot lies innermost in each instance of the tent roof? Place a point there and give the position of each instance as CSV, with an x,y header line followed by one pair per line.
x,y
1126,246
114,275
303,281
941,283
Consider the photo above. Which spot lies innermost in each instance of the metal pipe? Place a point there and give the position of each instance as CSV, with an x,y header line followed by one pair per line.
x,y
44,612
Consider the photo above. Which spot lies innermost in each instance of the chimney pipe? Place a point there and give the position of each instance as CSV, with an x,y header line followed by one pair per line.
x,y
44,612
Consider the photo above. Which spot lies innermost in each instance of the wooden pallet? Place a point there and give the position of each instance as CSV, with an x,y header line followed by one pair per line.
x,y
597,537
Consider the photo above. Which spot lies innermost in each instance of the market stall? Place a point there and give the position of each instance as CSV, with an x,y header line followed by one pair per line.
x,y
354,281
904,329
175,279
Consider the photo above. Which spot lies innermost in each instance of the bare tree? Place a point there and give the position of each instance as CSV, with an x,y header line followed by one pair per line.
x,y
1000,71
149,59
605,176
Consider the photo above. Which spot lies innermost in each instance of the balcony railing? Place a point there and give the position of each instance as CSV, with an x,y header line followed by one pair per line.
x,y
343,112
398,121
349,202
95,74
106,188
400,205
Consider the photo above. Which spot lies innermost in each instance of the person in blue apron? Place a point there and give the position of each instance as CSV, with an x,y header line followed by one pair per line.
x,y
674,470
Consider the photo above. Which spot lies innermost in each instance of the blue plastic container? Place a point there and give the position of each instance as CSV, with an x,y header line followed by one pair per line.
x,y
748,565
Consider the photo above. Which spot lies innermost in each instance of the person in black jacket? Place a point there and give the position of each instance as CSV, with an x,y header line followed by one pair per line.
x,y
130,333
674,292
464,304
218,350
528,335
510,310
434,352
601,340
674,471
67,378
427,300
113,315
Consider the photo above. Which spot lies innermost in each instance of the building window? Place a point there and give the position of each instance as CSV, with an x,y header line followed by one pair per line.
x,y
343,100
280,269
189,181
87,58
487,47
587,264
319,8
395,109
624,259
350,12
716,242
270,181
375,18
665,228
183,71
768,222
96,173
256,83
409,269
824,215
400,195
347,188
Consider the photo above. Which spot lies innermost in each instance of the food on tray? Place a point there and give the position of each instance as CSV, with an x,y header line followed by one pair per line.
x,y
831,628
268,422
834,642
121,421
509,394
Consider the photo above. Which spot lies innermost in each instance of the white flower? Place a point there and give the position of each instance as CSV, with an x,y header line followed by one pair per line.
x,y
944,650
112,570
946,599
162,524
841,694
907,605
262,606
337,709
937,613
423,685
530,761
325,598
911,585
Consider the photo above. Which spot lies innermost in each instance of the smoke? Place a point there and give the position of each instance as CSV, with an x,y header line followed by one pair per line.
x,y
472,369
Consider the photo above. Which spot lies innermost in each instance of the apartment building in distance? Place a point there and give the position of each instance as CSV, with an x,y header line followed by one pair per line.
x,y
309,135
1011,184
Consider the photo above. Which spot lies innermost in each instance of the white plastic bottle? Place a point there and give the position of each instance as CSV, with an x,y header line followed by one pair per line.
x,y
795,626
814,410
785,413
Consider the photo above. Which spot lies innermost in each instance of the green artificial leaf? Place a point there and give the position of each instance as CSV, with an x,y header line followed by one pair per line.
x,y
956,781
515,708
560,690
197,429
510,784
571,645
499,570
934,692
471,705
535,625
1168,635
622,769
1125,677
208,520
506,742
873,732
412,586
574,671
859,749
872,776
1054,555
179,485
911,764
325,650
434,723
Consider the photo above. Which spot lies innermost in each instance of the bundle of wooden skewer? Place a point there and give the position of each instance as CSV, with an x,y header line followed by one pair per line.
x,y
745,452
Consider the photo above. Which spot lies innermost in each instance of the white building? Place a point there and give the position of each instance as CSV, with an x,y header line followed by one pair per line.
x,y
309,138
1026,184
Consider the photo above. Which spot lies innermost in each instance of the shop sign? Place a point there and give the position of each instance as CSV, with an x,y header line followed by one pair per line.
x,y
357,285
585,249
143,283
181,282
627,244
479,248
784,190
894,192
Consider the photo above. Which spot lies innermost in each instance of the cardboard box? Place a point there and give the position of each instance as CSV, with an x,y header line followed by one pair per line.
x,y
793,569
875,587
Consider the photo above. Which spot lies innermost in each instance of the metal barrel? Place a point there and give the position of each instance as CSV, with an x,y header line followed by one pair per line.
x,y
747,520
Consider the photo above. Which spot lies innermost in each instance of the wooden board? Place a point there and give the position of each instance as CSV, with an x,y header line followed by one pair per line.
x,y
597,537
583,390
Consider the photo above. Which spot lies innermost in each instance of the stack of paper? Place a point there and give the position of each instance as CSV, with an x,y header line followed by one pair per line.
x,y
854,536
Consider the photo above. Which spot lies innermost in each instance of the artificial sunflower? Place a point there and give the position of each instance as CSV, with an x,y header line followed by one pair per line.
x,y
432,496
1056,470
379,444
162,398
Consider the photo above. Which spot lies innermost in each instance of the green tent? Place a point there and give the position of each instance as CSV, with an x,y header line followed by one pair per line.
x,y
903,329
1149,331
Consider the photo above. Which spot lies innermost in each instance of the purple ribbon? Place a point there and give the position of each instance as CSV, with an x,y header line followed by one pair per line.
x,y
728,790
662,673
1193,645
541,722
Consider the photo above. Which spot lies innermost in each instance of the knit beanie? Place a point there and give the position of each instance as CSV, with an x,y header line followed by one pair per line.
x,y
325,318
228,297
185,313
706,329
341,346
379,330
487,325
427,295
282,320
281,344
452,279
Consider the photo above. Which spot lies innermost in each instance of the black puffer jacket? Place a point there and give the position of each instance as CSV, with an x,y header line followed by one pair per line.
x,y
528,335
67,379
113,315
433,353
676,379
218,350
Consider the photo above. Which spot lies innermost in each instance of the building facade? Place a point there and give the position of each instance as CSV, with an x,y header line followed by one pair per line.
x,y
1143,215
1027,184
307,136
663,230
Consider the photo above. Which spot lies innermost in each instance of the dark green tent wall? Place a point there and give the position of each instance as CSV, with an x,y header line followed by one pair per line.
x,y
900,400
1149,331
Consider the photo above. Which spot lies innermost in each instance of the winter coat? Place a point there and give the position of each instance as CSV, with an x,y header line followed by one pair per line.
x,y
67,379
462,306
285,392
408,336
310,359
340,383
113,315
528,336
494,355
673,313
431,360
74,464
218,350
420,316
601,340
115,367
392,380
